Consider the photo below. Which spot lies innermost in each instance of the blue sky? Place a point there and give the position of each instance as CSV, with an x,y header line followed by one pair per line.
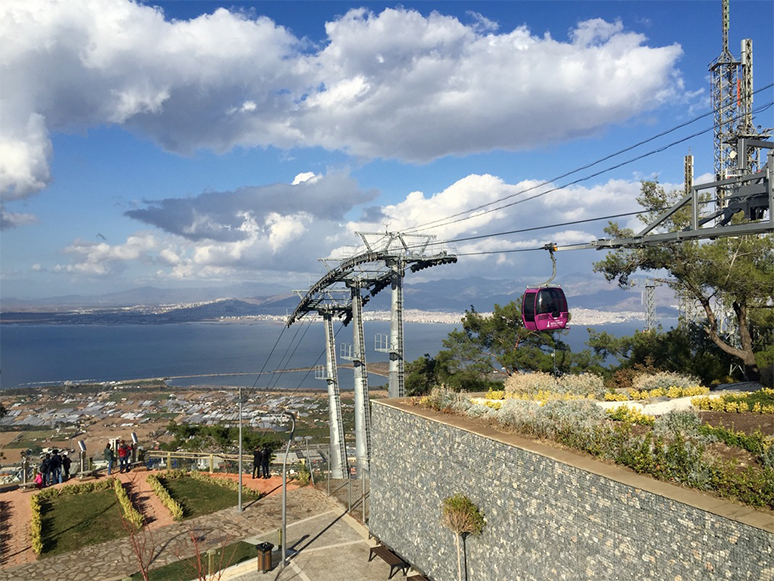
x,y
205,143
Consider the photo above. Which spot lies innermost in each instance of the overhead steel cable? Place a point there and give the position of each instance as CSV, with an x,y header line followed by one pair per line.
x,y
293,391
581,179
449,219
266,362
544,227
284,364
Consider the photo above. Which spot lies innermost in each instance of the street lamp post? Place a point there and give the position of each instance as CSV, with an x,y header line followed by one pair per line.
x,y
285,487
239,494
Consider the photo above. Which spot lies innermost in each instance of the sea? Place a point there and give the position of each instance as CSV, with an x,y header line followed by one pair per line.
x,y
209,353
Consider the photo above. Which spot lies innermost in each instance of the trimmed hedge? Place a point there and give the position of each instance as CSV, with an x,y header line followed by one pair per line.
x,y
174,507
36,504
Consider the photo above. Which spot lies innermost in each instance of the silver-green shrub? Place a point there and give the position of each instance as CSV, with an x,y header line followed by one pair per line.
x,y
683,422
583,384
478,410
662,379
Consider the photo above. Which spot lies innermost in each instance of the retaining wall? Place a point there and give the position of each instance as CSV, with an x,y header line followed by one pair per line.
x,y
550,514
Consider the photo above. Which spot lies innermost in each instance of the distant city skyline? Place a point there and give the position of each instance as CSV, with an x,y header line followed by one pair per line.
x,y
192,144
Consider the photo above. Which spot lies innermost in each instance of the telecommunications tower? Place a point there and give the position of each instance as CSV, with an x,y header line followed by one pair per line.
x,y
736,140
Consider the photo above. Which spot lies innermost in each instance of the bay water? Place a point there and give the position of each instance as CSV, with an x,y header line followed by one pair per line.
x,y
217,353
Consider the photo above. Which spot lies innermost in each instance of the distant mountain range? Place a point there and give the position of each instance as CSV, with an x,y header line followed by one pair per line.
x,y
150,305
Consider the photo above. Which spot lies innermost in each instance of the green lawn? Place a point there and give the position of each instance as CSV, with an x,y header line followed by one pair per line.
x,y
75,521
197,497
188,569
30,439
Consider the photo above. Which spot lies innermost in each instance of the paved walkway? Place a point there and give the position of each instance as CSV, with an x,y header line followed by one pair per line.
x,y
326,547
116,559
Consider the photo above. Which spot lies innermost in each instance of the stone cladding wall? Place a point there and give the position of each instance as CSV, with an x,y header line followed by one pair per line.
x,y
546,519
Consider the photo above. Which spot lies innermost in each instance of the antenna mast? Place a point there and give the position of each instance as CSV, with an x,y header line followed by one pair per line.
x,y
724,73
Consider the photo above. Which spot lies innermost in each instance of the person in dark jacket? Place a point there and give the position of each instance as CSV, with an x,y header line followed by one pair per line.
x,y
44,468
66,462
257,461
55,467
110,457
265,459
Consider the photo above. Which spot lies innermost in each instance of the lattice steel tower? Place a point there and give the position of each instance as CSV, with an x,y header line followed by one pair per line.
x,y
732,104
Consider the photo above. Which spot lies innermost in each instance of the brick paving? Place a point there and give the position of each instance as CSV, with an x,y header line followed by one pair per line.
x,y
117,559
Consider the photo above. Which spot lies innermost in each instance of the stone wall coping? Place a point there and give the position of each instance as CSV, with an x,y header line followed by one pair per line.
x,y
756,518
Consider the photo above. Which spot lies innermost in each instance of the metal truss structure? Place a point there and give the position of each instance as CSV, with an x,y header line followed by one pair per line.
x,y
339,293
742,186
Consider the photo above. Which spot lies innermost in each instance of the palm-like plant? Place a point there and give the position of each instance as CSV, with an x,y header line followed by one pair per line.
x,y
462,517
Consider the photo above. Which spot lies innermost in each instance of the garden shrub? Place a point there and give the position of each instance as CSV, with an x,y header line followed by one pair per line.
x,y
685,423
303,475
36,524
584,384
130,513
630,415
174,507
756,443
674,450
760,402
662,380
446,400
222,482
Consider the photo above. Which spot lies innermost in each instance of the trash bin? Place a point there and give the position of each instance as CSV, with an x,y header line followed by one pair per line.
x,y
264,556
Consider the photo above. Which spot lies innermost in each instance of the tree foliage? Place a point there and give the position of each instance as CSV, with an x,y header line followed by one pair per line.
x,y
494,343
735,273
222,439
462,517
683,350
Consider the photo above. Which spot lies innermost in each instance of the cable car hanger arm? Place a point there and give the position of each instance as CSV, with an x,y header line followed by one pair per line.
x,y
754,195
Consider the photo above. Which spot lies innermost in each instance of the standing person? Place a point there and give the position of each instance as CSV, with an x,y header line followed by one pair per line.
x,y
127,456
55,467
44,469
265,459
122,464
66,466
257,461
109,457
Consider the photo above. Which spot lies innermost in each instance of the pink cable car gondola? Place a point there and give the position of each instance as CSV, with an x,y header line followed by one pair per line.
x,y
544,308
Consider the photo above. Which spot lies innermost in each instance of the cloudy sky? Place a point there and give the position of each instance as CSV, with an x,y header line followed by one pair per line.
x,y
208,143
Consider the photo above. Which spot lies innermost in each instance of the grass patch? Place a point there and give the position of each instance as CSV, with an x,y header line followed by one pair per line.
x,y
75,521
30,439
188,569
198,498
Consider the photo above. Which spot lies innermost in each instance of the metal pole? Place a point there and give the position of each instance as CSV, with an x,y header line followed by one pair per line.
x,y
329,467
285,488
309,461
239,494
362,494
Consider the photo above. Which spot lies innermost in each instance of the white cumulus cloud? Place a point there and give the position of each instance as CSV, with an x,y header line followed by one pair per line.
x,y
397,84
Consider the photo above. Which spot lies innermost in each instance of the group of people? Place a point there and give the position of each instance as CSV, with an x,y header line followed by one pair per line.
x,y
261,459
54,469
124,454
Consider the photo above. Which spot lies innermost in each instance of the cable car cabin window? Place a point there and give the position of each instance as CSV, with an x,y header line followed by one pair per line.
x,y
528,306
551,300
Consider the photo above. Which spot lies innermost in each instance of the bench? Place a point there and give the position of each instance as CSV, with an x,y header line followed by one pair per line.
x,y
417,577
386,555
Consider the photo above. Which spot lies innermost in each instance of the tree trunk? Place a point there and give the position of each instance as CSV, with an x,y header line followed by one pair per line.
x,y
751,370
459,557
746,352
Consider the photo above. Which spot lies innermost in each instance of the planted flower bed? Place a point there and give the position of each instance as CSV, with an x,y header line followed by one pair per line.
x,y
75,516
730,460
191,494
